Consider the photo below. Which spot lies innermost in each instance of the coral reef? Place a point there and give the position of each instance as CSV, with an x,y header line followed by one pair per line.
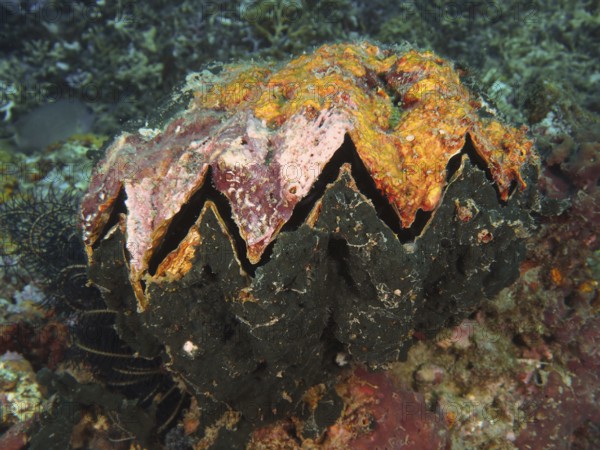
x,y
122,57
518,372
135,53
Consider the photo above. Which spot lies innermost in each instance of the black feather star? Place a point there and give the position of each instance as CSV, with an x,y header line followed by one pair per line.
x,y
40,236
39,233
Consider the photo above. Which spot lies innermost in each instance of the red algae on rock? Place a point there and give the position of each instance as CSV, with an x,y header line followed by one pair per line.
x,y
376,415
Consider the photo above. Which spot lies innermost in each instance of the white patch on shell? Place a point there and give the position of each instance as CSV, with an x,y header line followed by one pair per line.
x,y
190,348
148,133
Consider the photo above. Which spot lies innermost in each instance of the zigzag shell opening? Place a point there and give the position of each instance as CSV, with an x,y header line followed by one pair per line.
x,y
263,145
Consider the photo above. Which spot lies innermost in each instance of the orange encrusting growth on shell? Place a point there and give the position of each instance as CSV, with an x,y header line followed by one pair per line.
x,y
410,113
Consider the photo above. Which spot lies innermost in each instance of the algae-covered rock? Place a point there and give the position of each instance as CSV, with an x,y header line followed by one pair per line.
x,y
20,396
